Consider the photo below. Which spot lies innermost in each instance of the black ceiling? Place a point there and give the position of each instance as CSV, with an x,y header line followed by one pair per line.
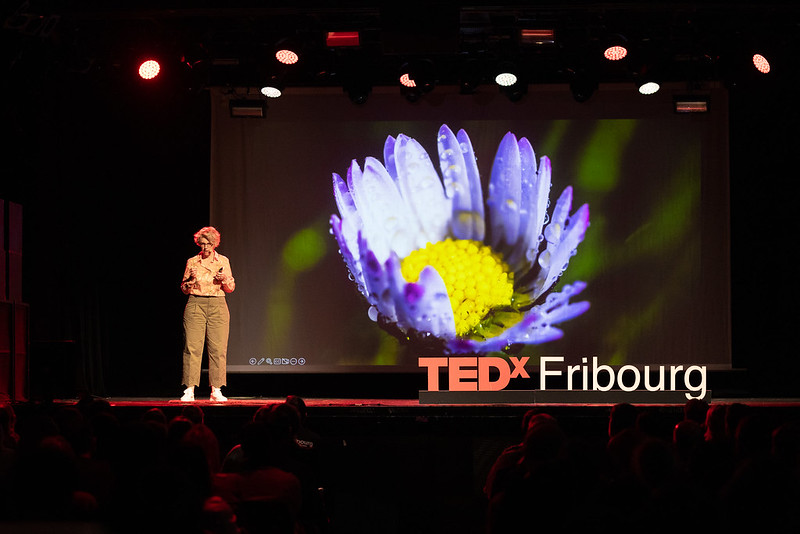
x,y
222,43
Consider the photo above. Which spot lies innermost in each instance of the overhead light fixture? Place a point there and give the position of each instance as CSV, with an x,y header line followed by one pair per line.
x,y
506,74
648,82
615,48
272,88
270,91
149,69
287,50
423,73
357,91
253,109
356,82
406,81
515,92
470,76
506,79
342,39
649,88
416,79
582,85
761,64
615,53
691,103
286,56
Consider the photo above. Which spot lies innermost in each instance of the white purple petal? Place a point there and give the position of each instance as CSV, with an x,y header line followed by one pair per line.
x,y
527,205
505,194
388,157
474,179
541,200
432,312
563,235
460,174
422,189
387,223
376,281
351,260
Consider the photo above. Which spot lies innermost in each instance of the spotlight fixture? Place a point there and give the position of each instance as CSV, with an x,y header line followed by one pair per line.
x,y
149,69
616,47
422,73
615,53
287,50
506,74
411,92
286,56
251,109
273,88
357,84
582,86
406,81
470,76
648,82
649,87
505,79
515,91
761,64
416,79
270,91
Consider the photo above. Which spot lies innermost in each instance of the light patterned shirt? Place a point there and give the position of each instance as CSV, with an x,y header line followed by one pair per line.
x,y
204,283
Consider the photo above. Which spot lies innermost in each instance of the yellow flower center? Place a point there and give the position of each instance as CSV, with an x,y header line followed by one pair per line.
x,y
476,277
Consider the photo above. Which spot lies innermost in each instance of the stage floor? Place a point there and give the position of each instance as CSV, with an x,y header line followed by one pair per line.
x,y
403,403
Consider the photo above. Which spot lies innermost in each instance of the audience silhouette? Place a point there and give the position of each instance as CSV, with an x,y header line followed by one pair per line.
x,y
721,467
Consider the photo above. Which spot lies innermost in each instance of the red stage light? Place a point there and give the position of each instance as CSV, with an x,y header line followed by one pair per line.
x,y
406,80
615,53
149,69
761,64
287,57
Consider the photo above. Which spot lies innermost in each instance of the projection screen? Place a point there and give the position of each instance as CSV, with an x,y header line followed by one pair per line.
x,y
655,258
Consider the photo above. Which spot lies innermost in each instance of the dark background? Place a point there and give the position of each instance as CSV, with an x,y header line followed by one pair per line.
x,y
113,178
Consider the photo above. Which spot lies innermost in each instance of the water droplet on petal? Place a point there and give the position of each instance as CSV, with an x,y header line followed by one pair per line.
x,y
544,259
373,313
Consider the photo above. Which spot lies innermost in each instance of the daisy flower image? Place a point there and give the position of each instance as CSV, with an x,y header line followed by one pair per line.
x,y
442,268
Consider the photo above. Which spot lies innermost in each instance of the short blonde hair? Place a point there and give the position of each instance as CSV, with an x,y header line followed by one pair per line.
x,y
210,233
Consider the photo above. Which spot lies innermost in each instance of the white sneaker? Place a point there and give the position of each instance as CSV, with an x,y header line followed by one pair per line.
x,y
217,396
188,395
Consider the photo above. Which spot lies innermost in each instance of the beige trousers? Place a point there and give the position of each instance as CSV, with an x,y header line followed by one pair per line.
x,y
206,322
